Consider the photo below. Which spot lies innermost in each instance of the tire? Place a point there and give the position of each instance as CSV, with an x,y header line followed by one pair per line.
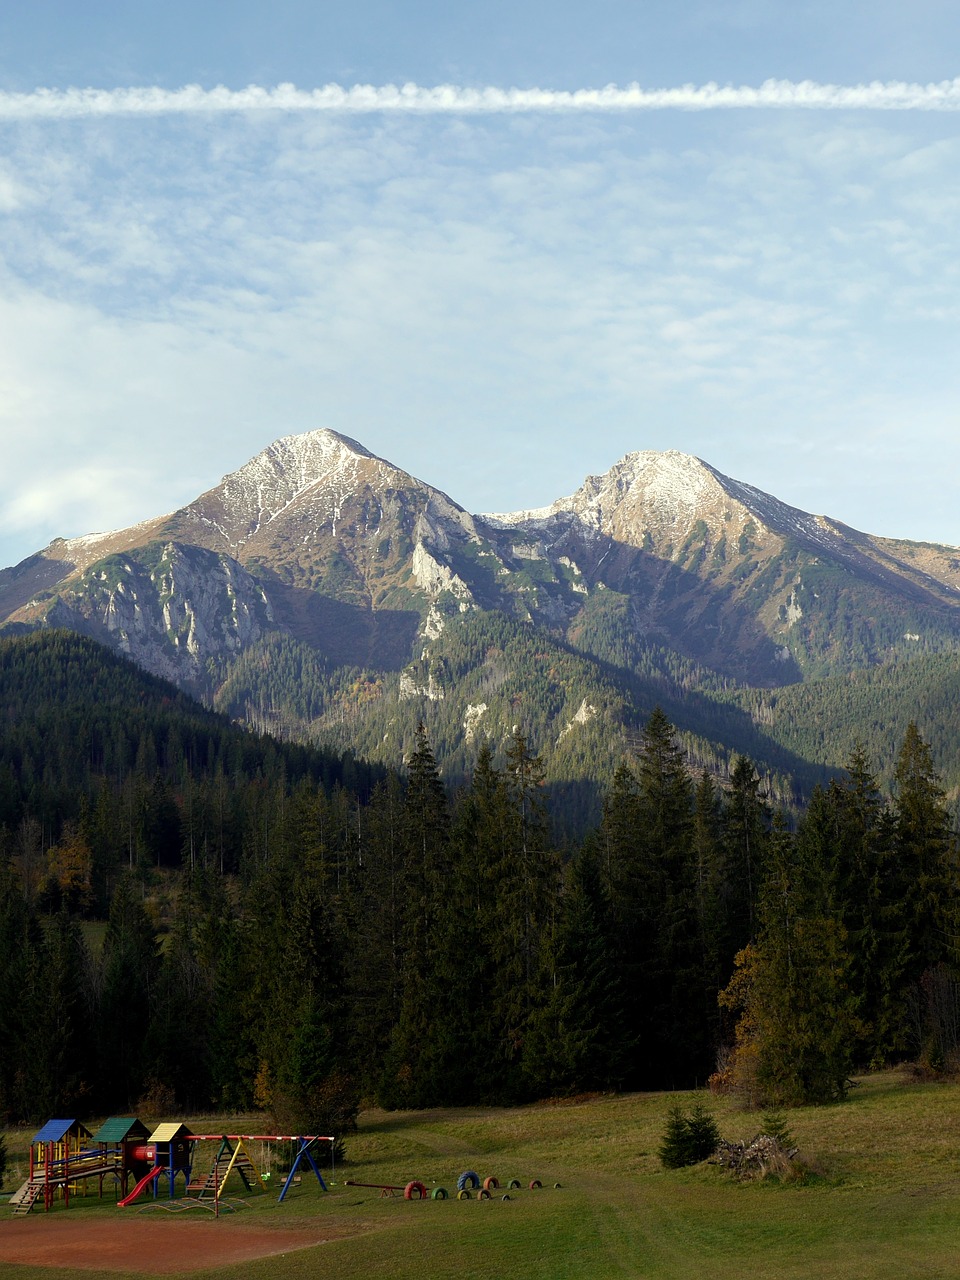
x,y
438,1193
463,1194
535,1184
483,1194
491,1183
468,1181
504,1197
514,1184
414,1191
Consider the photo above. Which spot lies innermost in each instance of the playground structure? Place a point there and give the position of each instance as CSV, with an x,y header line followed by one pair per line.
x,y
62,1155
233,1157
127,1140
65,1157
468,1186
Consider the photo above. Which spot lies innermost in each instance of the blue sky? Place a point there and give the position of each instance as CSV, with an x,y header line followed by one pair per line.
x,y
500,301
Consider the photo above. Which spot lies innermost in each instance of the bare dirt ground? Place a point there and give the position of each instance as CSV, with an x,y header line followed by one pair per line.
x,y
138,1243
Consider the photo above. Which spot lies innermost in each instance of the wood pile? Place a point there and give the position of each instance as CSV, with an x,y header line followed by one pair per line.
x,y
756,1159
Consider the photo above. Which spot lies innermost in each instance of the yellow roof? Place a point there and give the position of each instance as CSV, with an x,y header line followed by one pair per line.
x,y
167,1132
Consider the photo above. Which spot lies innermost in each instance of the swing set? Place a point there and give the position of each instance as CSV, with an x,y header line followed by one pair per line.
x,y
232,1156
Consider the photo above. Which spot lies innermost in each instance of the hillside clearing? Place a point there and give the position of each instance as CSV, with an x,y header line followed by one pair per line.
x,y
885,1201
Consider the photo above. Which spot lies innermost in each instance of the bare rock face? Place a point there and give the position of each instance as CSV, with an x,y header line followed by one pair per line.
x,y
169,607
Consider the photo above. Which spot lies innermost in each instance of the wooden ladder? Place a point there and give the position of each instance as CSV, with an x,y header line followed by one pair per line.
x,y
247,1172
209,1185
22,1201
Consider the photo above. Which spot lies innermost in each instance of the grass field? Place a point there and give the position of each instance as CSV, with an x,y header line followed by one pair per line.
x,y
884,1202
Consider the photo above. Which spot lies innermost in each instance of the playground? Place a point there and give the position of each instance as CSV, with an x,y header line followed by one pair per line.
x,y
882,1202
65,1158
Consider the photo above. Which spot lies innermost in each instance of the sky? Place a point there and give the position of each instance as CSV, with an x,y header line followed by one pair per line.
x,y
745,245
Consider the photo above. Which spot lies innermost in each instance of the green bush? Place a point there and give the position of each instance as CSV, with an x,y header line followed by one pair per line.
x,y
775,1126
688,1139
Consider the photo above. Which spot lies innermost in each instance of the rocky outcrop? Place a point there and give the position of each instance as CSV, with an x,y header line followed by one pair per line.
x,y
169,607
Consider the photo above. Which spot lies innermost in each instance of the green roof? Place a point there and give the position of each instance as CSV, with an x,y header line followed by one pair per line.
x,y
120,1128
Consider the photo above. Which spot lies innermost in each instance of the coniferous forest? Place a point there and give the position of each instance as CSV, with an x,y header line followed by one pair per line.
x,y
196,916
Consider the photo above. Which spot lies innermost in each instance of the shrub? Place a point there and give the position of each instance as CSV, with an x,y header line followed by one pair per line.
x,y
704,1134
775,1126
688,1139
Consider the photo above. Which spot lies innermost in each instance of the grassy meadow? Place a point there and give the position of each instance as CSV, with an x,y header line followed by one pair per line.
x,y
881,1199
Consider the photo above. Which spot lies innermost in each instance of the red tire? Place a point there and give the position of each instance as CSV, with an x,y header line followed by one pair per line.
x,y
490,1184
414,1191
535,1183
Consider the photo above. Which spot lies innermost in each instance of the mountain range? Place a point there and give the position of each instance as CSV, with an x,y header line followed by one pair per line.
x,y
322,592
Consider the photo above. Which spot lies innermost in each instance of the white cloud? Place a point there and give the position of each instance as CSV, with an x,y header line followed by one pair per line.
x,y
55,104
491,303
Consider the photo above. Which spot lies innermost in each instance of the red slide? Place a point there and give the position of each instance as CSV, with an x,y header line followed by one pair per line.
x,y
129,1199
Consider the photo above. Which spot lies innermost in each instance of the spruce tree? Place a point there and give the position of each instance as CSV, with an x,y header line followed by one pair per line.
x,y
688,1139
20,940
422,1046
746,822
707,869
179,1038
526,878
925,858
923,849
797,1026
62,1061
577,1039
129,963
678,1045
377,911
482,853
631,885
845,838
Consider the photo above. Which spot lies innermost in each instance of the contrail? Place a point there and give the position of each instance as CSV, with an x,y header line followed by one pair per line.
x,y
55,104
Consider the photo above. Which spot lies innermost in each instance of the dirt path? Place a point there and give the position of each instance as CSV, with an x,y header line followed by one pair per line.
x,y
137,1243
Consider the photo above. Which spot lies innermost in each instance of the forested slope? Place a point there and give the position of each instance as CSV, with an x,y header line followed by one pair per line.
x,y
88,737
823,720
277,937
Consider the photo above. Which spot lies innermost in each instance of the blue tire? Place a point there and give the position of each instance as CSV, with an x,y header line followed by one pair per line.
x,y
468,1181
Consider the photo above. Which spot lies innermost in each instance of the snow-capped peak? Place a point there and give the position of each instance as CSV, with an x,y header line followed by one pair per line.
x,y
670,485
251,497
293,463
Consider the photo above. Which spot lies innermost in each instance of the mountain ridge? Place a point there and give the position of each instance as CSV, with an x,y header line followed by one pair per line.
x,y
661,573
712,565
